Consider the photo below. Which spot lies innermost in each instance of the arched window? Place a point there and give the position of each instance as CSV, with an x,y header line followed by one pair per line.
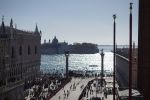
x,y
12,52
35,49
29,50
20,50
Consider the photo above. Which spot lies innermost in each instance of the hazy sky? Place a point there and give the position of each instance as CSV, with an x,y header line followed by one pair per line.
x,y
73,20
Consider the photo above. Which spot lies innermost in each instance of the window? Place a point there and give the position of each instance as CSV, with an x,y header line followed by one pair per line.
x,y
29,50
12,52
35,49
20,50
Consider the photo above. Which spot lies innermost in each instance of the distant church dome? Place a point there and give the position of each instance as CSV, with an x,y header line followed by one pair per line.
x,y
55,41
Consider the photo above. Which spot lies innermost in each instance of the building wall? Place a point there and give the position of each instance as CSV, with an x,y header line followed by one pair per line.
x,y
14,92
20,59
122,70
27,64
135,68
144,48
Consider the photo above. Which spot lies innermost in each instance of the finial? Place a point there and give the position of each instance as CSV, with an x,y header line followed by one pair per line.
x,y
114,16
3,25
131,6
11,23
36,28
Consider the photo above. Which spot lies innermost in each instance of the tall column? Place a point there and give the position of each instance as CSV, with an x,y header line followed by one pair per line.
x,y
114,60
67,55
130,54
102,66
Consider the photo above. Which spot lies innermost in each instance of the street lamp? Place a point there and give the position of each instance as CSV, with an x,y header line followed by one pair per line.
x,y
67,55
102,66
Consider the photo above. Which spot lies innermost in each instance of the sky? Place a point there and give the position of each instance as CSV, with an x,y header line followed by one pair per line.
x,y
73,20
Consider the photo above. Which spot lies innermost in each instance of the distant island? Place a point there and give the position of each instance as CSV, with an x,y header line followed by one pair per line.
x,y
56,47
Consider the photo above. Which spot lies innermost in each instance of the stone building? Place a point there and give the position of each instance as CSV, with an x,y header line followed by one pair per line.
x,y
144,48
54,47
122,67
19,60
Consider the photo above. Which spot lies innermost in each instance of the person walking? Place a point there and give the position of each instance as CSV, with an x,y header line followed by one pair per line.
x,y
59,97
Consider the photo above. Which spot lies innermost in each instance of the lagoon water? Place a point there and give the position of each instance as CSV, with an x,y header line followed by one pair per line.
x,y
80,62
56,63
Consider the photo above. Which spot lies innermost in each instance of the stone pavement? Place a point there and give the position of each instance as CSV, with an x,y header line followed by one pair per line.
x,y
90,93
72,90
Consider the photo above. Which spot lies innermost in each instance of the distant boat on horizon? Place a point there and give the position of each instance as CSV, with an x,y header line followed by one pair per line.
x,y
93,65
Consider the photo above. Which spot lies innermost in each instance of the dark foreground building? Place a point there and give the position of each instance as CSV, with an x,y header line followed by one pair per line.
x,y
19,60
144,48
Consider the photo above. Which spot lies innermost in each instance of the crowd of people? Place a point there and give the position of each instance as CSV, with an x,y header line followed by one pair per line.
x,y
94,88
44,87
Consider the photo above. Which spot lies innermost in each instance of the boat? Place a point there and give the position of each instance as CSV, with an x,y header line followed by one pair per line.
x,y
93,65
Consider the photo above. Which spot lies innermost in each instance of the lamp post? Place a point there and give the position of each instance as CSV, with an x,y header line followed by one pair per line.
x,y
114,60
67,55
130,53
102,67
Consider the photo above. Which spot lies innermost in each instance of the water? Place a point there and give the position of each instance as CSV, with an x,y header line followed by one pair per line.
x,y
80,62
56,63
109,48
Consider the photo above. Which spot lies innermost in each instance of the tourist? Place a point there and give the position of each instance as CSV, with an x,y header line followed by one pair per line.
x,y
70,86
59,97
64,93
67,93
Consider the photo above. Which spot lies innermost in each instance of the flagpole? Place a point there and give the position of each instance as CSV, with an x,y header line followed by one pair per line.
x,y
114,60
130,54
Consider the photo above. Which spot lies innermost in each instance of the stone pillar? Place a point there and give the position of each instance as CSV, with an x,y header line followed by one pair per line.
x,y
102,67
67,55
